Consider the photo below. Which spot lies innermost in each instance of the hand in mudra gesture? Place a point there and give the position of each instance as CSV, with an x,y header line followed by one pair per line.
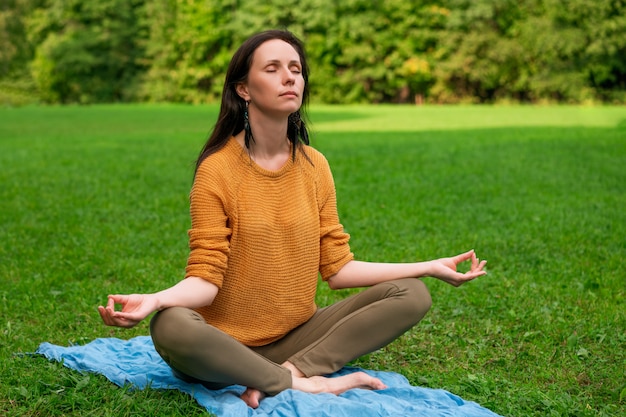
x,y
135,308
445,269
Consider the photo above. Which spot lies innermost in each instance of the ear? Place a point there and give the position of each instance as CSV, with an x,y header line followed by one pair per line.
x,y
242,91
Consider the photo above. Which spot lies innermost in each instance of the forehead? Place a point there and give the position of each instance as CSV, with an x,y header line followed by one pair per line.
x,y
275,50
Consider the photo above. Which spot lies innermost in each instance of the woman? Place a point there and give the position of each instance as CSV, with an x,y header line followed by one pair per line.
x,y
264,224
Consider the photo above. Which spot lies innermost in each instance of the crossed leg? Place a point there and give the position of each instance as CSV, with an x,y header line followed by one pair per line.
x,y
345,331
334,336
318,384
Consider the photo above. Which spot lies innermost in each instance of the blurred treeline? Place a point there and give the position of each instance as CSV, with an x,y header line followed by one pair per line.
x,y
446,51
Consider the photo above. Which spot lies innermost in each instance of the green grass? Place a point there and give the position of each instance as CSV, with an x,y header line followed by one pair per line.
x,y
94,200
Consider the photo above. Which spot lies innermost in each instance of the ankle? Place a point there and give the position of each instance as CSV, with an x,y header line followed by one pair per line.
x,y
295,372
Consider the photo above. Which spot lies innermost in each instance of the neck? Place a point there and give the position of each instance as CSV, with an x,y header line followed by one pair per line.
x,y
270,136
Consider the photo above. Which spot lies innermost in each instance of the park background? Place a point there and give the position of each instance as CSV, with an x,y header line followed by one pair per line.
x,y
360,51
517,150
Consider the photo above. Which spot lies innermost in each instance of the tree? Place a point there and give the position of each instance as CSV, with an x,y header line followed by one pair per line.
x,y
479,58
369,51
605,52
533,50
16,84
87,51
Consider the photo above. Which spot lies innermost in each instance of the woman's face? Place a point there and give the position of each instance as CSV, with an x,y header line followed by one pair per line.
x,y
275,83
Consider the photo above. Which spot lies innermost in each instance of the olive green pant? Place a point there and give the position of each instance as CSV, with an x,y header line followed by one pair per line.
x,y
334,336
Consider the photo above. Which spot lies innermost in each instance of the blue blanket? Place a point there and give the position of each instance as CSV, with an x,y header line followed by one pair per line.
x,y
136,362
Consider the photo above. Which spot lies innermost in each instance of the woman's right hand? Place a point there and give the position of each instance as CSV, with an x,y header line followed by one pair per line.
x,y
192,292
135,308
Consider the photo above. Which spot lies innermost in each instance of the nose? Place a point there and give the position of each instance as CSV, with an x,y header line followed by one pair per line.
x,y
289,77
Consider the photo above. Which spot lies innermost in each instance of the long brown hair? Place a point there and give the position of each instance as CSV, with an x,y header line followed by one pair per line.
x,y
230,119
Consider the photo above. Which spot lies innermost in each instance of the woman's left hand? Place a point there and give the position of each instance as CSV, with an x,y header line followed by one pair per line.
x,y
445,269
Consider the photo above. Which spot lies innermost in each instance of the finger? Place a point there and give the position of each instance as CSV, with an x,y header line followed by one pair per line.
x,y
111,317
479,266
101,312
474,274
119,315
118,298
123,322
474,261
111,303
128,317
115,320
462,257
105,316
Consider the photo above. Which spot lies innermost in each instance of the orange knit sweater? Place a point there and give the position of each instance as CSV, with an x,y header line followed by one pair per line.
x,y
262,237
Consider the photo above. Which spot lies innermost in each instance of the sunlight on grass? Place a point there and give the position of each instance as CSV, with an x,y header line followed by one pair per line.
x,y
390,118
94,200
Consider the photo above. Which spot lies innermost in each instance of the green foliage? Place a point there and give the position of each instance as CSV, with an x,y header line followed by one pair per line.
x,y
14,48
18,91
406,51
554,50
189,48
87,51
16,83
376,51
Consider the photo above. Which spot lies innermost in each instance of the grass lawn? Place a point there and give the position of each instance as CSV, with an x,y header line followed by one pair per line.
x,y
94,200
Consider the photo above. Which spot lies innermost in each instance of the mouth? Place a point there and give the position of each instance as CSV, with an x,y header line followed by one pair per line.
x,y
289,94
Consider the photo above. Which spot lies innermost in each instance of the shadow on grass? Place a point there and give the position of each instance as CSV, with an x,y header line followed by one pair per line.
x,y
84,212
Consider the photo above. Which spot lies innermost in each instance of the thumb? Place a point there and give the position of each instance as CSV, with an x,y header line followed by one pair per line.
x,y
118,298
463,256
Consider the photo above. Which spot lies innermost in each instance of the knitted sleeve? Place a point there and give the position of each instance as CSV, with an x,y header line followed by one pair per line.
x,y
334,247
209,236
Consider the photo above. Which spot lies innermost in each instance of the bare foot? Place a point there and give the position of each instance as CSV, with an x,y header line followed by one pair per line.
x,y
318,384
252,397
338,385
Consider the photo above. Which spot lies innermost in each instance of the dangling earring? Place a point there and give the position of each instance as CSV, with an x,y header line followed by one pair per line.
x,y
293,129
299,127
246,127
296,131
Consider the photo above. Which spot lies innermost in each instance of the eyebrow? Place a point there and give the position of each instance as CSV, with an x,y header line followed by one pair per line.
x,y
277,61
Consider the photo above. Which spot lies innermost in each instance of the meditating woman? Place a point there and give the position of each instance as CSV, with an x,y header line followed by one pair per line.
x,y
264,224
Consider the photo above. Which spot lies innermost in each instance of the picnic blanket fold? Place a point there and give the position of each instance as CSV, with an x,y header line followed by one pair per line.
x,y
137,363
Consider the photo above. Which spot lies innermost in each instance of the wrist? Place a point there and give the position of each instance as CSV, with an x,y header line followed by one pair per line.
x,y
158,301
427,269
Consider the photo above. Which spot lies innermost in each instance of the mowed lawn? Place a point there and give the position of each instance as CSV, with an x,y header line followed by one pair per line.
x,y
94,200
